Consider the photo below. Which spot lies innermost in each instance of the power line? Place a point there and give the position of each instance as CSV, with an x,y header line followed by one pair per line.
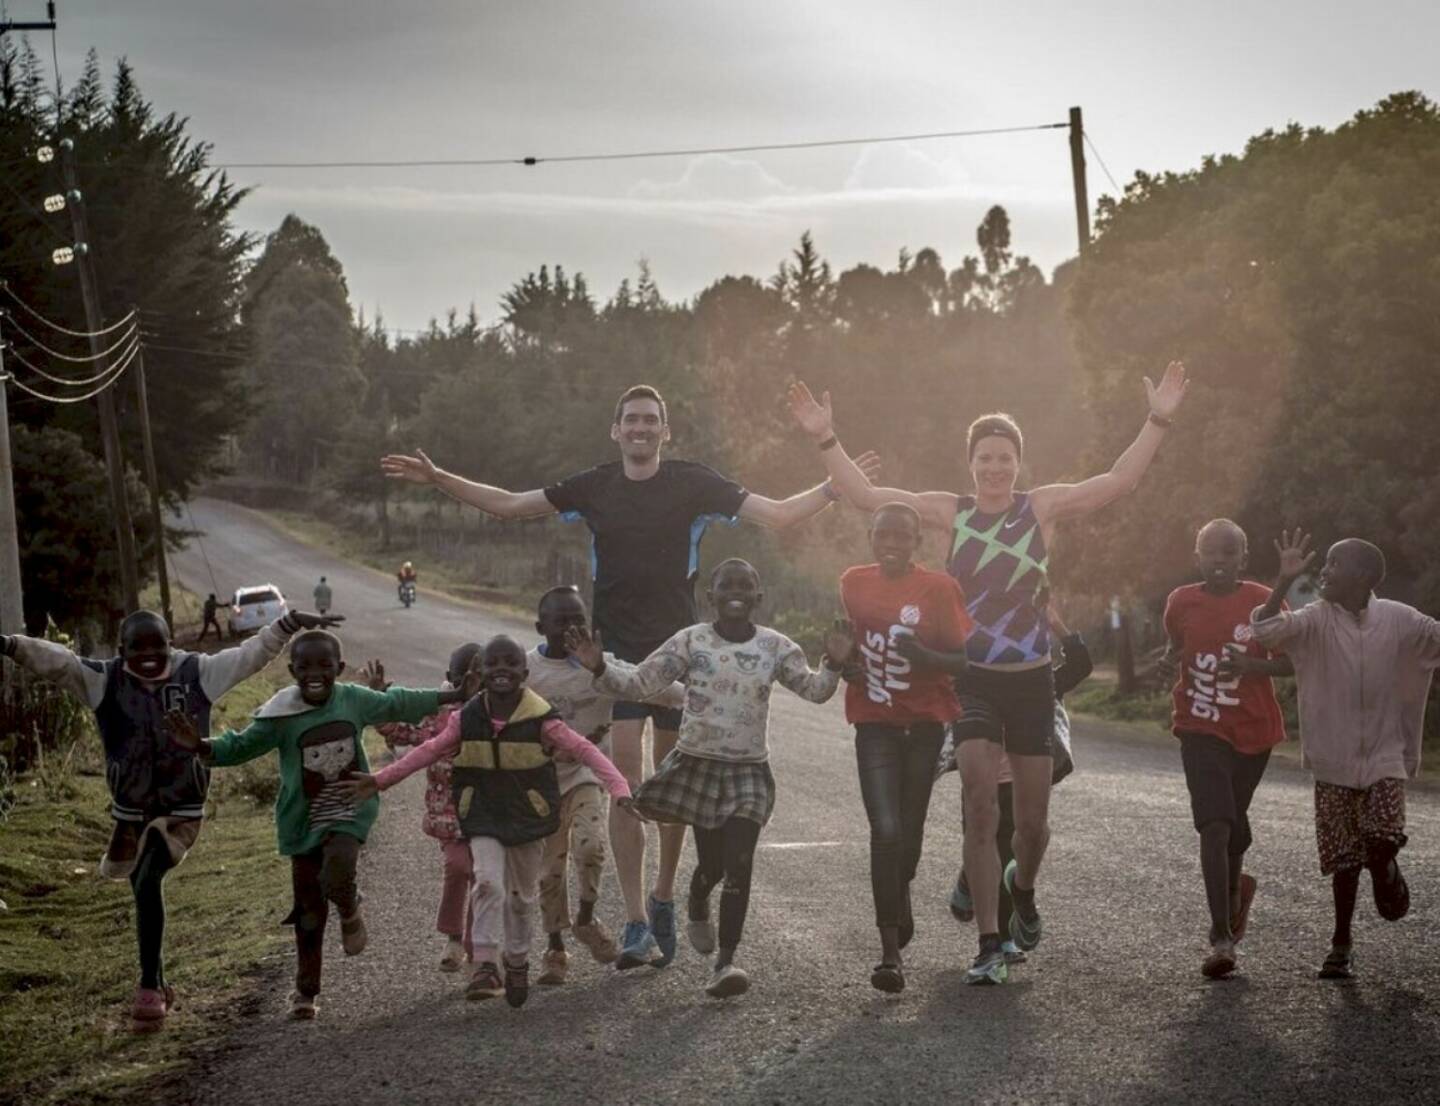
x,y
1118,190
633,155
66,356
114,375
5,287
87,381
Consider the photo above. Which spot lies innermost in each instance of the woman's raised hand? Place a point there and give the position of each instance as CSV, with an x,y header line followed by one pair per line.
x,y
1165,398
418,469
813,417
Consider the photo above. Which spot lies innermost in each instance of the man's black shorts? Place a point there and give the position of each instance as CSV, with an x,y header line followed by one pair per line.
x,y
1015,709
662,718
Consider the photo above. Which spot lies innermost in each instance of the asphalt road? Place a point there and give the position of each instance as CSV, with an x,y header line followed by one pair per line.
x,y
1111,1007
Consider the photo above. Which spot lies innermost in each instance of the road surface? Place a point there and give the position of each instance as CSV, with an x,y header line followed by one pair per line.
x,y
1111,1007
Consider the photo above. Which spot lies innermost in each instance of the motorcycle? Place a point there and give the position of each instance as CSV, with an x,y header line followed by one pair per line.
x,y
407,593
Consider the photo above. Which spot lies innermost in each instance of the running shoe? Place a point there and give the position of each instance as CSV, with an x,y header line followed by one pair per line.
x,y
1241,919
662,928
1220,962
485,983
701,933
1392,894
1012,952
593,936
728,982
553,967
517,983
962,906
1025,932
988,967
352,933
888,978
637,946
303,1008
147,1012
454,955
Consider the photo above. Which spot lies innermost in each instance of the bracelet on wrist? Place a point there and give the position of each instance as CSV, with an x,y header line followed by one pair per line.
x,y
1160,420
829,443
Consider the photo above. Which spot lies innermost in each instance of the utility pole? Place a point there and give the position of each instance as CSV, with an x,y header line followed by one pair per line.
x,y
37,25
1077,171
109,424
12,612
156,514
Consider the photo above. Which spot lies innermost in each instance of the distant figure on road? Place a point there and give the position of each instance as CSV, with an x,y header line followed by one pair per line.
x,y
404,579
211,606
1362,669
322,596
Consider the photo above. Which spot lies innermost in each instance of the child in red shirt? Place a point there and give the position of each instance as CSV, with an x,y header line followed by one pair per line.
x,y
910,626
1227,720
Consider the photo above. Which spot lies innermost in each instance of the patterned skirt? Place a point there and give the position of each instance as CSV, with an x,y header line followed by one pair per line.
x,y
698,791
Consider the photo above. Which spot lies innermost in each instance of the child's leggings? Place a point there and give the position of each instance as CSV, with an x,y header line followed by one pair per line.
x,y
147,881
455,890
503,898
323,875
582,836
726,854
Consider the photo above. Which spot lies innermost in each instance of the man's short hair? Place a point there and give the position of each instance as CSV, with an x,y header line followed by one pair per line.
x,y
641,391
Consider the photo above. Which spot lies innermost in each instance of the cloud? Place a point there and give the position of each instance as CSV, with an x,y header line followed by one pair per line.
x,y
899,165
714,177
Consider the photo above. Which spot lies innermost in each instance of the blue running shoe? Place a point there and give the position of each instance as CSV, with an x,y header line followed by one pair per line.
x,y
637,946
1025,932
962,906
989,967
662,927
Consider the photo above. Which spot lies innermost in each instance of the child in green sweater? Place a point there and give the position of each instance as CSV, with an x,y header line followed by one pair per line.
x,y
316,727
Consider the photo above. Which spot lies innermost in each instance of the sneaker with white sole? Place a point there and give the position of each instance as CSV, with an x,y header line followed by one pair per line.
x,y
988,967
727,982
454,955
1024,931
601,945
701,934
1012,952
661,915
148,1010
637,947
303,1008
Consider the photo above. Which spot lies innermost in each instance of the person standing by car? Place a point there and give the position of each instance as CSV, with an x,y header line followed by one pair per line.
x,y
322,596
211,606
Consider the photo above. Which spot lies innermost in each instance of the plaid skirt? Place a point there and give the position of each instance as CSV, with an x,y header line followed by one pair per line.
x,y
699,791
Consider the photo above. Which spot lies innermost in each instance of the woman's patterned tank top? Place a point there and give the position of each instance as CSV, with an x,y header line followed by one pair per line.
x,y
1000,561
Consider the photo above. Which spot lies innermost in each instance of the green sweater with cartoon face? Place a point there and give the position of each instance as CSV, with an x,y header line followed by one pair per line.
x,y
317,746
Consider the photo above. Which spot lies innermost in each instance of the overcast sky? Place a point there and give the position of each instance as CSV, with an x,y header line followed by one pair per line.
x,y
1161,83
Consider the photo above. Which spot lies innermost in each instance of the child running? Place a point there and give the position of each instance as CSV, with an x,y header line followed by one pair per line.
x,y
1227,720
1363,667
910,626
559,679
1074,667
315,726
157,791
717,779
507,799
440,820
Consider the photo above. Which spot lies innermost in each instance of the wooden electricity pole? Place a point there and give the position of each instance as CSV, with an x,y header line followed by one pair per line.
x,y
1077,172
152,478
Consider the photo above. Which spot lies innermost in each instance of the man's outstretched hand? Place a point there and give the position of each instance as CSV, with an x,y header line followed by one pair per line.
x,y
815,418
418,469
308,620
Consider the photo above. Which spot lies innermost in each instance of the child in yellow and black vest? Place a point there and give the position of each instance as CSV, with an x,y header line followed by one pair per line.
x,y
507,797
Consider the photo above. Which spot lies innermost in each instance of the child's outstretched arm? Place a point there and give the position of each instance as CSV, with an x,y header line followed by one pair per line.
x,y
83,678
360,786
231,747
631,681
1295,557
219,672
794,673
405,704
562,739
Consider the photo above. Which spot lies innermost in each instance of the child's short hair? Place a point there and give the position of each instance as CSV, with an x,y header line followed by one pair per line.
x,y
997,424
641,391
1223,524
136,619
734,562
895,507
316,635
558,589
1370,556
460,659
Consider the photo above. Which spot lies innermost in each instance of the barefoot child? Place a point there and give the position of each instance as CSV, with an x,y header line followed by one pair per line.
x,y
1363,667
717,778
1074,667
157,791
559,679
440,820
315,726
910,626
1227,720
507,797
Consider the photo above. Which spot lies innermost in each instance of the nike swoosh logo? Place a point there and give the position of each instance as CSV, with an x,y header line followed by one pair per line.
x,y
1012,523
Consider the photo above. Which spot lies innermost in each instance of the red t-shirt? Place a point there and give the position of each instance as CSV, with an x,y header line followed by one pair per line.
x,y
1241,710
925,603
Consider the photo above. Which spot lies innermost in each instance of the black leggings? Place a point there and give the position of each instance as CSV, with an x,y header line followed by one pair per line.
x,y
147,882
897,770
323,875
725,854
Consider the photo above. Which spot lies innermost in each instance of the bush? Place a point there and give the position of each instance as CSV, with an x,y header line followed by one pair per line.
x,y
37,718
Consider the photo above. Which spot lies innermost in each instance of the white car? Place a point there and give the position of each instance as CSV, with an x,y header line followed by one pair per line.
x,y
255,608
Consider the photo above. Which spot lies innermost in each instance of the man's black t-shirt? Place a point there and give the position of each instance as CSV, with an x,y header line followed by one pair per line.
x,y
645,540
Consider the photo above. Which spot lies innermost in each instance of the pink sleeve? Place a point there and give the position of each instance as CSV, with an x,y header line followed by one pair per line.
x,y
562,738
444,743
